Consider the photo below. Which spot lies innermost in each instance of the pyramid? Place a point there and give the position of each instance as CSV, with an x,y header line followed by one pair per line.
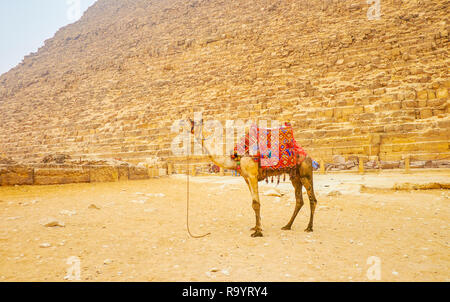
x,y
112,84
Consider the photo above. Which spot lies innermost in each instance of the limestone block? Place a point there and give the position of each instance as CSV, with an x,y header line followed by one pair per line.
x,y
409,103
442,93
52,176
137,173
16,175
422,95
369,109
122,173
103,174
426,113
436,103
422,103
347,111
431,94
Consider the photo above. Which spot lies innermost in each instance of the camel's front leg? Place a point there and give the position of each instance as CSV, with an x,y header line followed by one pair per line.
x,y
253,184
308,183
298,201
251,193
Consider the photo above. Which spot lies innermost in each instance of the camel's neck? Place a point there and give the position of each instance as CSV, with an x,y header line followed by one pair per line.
x,y
222,161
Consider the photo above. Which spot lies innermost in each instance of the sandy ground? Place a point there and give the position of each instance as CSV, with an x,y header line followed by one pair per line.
x,y
139,232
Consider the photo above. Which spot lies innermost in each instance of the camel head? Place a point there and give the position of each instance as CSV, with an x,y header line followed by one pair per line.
x,y
195,127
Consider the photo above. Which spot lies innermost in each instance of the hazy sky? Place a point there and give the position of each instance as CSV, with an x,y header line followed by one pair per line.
x,y
26,24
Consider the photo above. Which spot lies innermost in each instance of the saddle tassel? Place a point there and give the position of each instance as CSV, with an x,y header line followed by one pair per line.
x,y
278,180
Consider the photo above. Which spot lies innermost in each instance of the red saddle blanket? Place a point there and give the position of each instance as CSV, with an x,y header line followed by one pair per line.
x,y
258,142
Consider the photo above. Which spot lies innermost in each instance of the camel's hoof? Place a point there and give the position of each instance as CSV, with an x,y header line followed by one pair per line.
x,y
308,230
257,234
286,228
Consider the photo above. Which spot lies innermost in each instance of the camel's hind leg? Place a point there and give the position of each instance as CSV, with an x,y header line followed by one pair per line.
x,y
298,201
306,177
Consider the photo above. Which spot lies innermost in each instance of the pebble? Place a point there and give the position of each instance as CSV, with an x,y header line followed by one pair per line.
x,y
51,222
107,261
138,201
156,195
14,218
273,192
395,273
45,245
68,213
93,207
334,193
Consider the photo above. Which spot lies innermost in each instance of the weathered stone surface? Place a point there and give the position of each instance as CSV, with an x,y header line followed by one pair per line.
x,y
442,93
51,176
103,174
15,175
123,173
338,159
390,164
137,173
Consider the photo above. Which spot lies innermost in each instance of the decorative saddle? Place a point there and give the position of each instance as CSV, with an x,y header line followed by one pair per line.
x,y
257,143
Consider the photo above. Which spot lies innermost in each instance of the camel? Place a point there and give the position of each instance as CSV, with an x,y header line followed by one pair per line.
x,y
301,176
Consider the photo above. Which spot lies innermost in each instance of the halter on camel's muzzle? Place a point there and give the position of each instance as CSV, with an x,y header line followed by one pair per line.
x,y
193,124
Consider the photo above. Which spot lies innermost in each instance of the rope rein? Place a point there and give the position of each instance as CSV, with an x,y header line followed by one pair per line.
x,y
187,200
